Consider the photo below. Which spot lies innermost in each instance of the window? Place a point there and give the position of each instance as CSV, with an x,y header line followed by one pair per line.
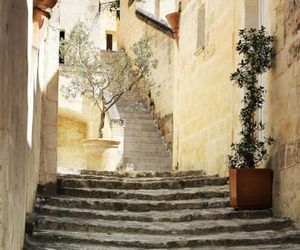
x,y
109,42
201,27
61,41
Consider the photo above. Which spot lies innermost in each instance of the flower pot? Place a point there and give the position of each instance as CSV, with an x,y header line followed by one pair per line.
x,y
46,3
250,188
174,20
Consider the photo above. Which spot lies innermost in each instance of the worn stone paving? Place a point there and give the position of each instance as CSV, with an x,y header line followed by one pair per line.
x,y
184,210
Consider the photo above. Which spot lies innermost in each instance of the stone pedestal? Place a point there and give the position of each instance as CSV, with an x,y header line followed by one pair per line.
x,y
97,153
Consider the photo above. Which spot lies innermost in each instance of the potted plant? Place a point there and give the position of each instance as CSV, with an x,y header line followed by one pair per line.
x,y
251,187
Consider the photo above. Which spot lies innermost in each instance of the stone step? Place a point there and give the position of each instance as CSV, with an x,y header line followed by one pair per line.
x,y
144,139
125,109
152,160
128,116
133,184
158,195
183,215
144,174
130,122
144,146
147,153
141,127
152,167
141,133
203,227
133,205
69,246
169,241
130,177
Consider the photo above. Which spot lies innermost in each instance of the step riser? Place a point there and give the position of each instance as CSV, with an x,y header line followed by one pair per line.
x,y
138,175
50,225
137,133
143,127
149,167
144,147
146,140
123,195
131,153
136,207
133,122
171,244
138,217
141,160
138,185
128,116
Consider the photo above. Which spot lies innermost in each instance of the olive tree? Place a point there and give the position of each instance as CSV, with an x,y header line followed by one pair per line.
x,y
96,78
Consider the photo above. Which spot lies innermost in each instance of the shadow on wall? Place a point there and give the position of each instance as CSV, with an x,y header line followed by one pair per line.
x,y
16,154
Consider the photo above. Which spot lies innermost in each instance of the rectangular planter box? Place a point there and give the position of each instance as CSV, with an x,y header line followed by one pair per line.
x,y
250,188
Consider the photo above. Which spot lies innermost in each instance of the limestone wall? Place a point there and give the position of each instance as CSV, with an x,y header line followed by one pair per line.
x,y
162,89
71,11
207,104
19,123
282,111
71,132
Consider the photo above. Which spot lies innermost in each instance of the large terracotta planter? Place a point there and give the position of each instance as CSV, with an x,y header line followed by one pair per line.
x,y
174,20
250,188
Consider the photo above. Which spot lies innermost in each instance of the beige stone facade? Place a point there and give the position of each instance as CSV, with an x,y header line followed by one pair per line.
x,y
207,104
204,104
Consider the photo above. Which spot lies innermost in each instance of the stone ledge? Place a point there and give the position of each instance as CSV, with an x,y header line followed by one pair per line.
x,y
154,22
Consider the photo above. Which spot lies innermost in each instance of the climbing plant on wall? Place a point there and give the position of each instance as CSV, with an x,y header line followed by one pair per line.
x,y
257,52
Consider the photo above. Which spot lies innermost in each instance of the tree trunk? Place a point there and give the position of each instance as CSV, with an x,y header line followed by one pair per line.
x,y
101,126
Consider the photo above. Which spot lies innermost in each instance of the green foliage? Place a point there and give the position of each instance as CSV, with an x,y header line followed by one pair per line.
x,y
257,51
104,81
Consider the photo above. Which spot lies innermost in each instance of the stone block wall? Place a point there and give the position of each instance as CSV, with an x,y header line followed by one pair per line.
x,y
206,104
19,123
282,112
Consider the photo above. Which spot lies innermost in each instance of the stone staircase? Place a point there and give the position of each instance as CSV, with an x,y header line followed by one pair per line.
x,y
144,149
152,210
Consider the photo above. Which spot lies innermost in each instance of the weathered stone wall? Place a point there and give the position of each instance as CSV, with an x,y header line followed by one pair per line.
x,y
205,102
19,123
282,111
71,11
48,80
163,45
71,132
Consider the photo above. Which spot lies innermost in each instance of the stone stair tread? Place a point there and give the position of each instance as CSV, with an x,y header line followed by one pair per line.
x,y
131,179
171,241
62,246
134,204
162,228
149,194
142,174
132,184
163,216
